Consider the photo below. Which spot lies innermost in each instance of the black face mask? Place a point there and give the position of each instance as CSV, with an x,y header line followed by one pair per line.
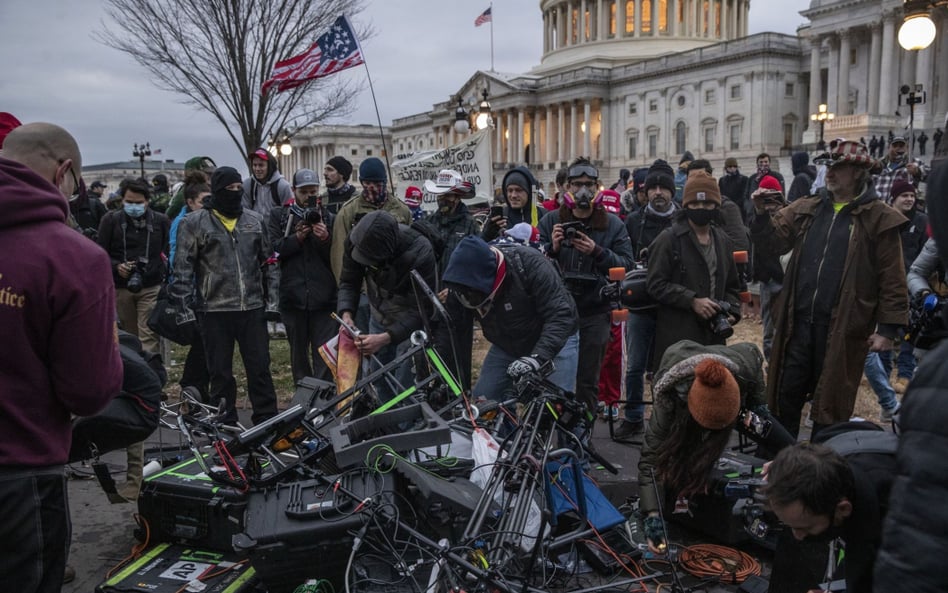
x,y
700,216
227,202
583,198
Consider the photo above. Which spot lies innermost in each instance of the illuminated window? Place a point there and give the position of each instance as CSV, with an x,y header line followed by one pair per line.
x,y
629,17
646,17
663,16
612,20
717,19
574,25
586,34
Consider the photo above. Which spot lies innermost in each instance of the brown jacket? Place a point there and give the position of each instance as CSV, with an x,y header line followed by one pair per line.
x,y
872,291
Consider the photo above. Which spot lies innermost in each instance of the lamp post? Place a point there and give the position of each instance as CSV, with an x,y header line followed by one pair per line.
x,y
280,145
918,31
483,119
462,123
822,116
140,152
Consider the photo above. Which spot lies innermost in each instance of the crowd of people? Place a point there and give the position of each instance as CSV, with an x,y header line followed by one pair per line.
x,y
829,252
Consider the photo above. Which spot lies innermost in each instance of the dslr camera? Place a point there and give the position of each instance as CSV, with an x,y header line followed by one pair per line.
x,y
309,216
135,280
569,231
720,326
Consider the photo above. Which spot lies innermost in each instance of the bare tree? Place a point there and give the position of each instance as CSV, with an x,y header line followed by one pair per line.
x,y
218,53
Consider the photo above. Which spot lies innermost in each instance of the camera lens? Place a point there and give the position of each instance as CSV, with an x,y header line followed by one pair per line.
x,y
134,284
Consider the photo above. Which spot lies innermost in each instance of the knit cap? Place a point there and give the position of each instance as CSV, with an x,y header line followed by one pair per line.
x,y
730,162
769,182
899,187
701,187
413,197
714,399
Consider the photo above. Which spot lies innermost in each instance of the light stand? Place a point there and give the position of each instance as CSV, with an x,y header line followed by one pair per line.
x,y
913,97
140,152
822,116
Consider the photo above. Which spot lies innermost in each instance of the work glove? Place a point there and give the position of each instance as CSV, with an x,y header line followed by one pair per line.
x,y
522,366
655,531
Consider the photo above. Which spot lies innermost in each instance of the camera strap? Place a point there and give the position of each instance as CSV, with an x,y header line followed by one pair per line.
x,y
147,239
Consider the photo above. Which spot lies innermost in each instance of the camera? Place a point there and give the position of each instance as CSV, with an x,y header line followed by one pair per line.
x,y
720,326
135,280
569,231
308,216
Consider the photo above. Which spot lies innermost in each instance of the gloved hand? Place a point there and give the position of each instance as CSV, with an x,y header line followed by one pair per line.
x,y
522,366
655,532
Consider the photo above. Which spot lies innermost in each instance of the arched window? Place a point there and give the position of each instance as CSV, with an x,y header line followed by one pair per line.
x,y
680,133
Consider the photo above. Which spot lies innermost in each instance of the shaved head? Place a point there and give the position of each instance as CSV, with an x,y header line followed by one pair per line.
x,y
47,149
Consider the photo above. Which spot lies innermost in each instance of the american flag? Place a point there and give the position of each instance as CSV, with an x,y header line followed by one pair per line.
x,y
156,151
335,50
484,18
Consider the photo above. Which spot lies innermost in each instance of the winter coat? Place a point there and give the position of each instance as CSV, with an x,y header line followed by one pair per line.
x,y
530,213
88,212
872,291
914,546
306,279
802,182
732,223
644,226
124,241
922,268
351,213
670,397
586,275
216,270
677,274
734,187
389,288
914,234
753,182
532,313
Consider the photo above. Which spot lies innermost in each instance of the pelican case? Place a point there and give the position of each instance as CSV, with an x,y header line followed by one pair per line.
x,y
182,504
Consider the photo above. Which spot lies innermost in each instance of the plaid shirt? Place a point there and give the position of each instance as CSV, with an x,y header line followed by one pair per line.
x,y
884,180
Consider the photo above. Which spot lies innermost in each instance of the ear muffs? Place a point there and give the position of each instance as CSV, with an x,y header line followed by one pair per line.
x,y
568,199
597,200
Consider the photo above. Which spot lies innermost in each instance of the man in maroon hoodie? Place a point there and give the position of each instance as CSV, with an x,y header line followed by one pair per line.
x,y
58,354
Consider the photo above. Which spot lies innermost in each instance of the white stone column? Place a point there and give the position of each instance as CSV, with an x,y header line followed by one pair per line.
x,y
816,77
511,138
941,91
572,130
832,77
519,144
587,145
842,89
875,55
561,145
636,18
887,79
673,21
605,131
725,35
655,30
549,134
620,18
724,134
696,18
581,23
923,76
602,20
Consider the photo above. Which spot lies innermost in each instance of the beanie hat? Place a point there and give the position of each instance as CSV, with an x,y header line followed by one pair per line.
x,y
517,178
223,177
730,162
413,197
714,399
701,187
199,163
660,174
342,166
372,169
638,178
624,174
472,264
770,182
522,232
687,157
899,187
374,239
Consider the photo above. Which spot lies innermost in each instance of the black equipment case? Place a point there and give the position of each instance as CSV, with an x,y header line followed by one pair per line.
x,y
182,504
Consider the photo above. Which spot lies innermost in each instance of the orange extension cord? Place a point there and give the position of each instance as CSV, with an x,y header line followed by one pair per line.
x,y
720,562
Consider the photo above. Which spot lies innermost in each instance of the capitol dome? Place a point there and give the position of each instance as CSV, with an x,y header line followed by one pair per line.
x,y
606,33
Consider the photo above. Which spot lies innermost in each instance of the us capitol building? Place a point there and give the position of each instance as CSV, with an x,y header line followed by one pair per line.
x,y
627,82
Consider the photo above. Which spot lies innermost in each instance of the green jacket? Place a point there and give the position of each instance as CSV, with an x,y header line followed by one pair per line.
x,y
670,396
346,219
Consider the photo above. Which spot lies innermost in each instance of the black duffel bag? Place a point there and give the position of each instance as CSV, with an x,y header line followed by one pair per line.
x,y
163,320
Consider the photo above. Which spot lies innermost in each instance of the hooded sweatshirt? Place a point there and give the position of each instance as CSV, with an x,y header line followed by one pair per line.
x,y
529,214
262,196
58,355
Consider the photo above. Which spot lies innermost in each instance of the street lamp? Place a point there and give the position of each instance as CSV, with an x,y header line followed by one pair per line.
x,y
140,152
918,31
280,144
822,116
483,119
462,125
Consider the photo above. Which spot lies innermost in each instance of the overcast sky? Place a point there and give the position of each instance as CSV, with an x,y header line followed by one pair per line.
x,y
56,69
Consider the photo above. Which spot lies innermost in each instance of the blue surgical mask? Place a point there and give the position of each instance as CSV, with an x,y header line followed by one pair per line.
x,y
135,210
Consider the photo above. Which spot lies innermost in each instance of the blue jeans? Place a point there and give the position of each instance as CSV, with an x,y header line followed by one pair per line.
x,y
905,362
768,296
639,337
879,381
494,384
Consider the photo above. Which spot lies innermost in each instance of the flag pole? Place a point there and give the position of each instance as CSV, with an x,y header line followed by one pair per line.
x,y
375,103
491,6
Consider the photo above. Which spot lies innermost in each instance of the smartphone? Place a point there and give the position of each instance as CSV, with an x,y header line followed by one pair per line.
x,y
496,211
